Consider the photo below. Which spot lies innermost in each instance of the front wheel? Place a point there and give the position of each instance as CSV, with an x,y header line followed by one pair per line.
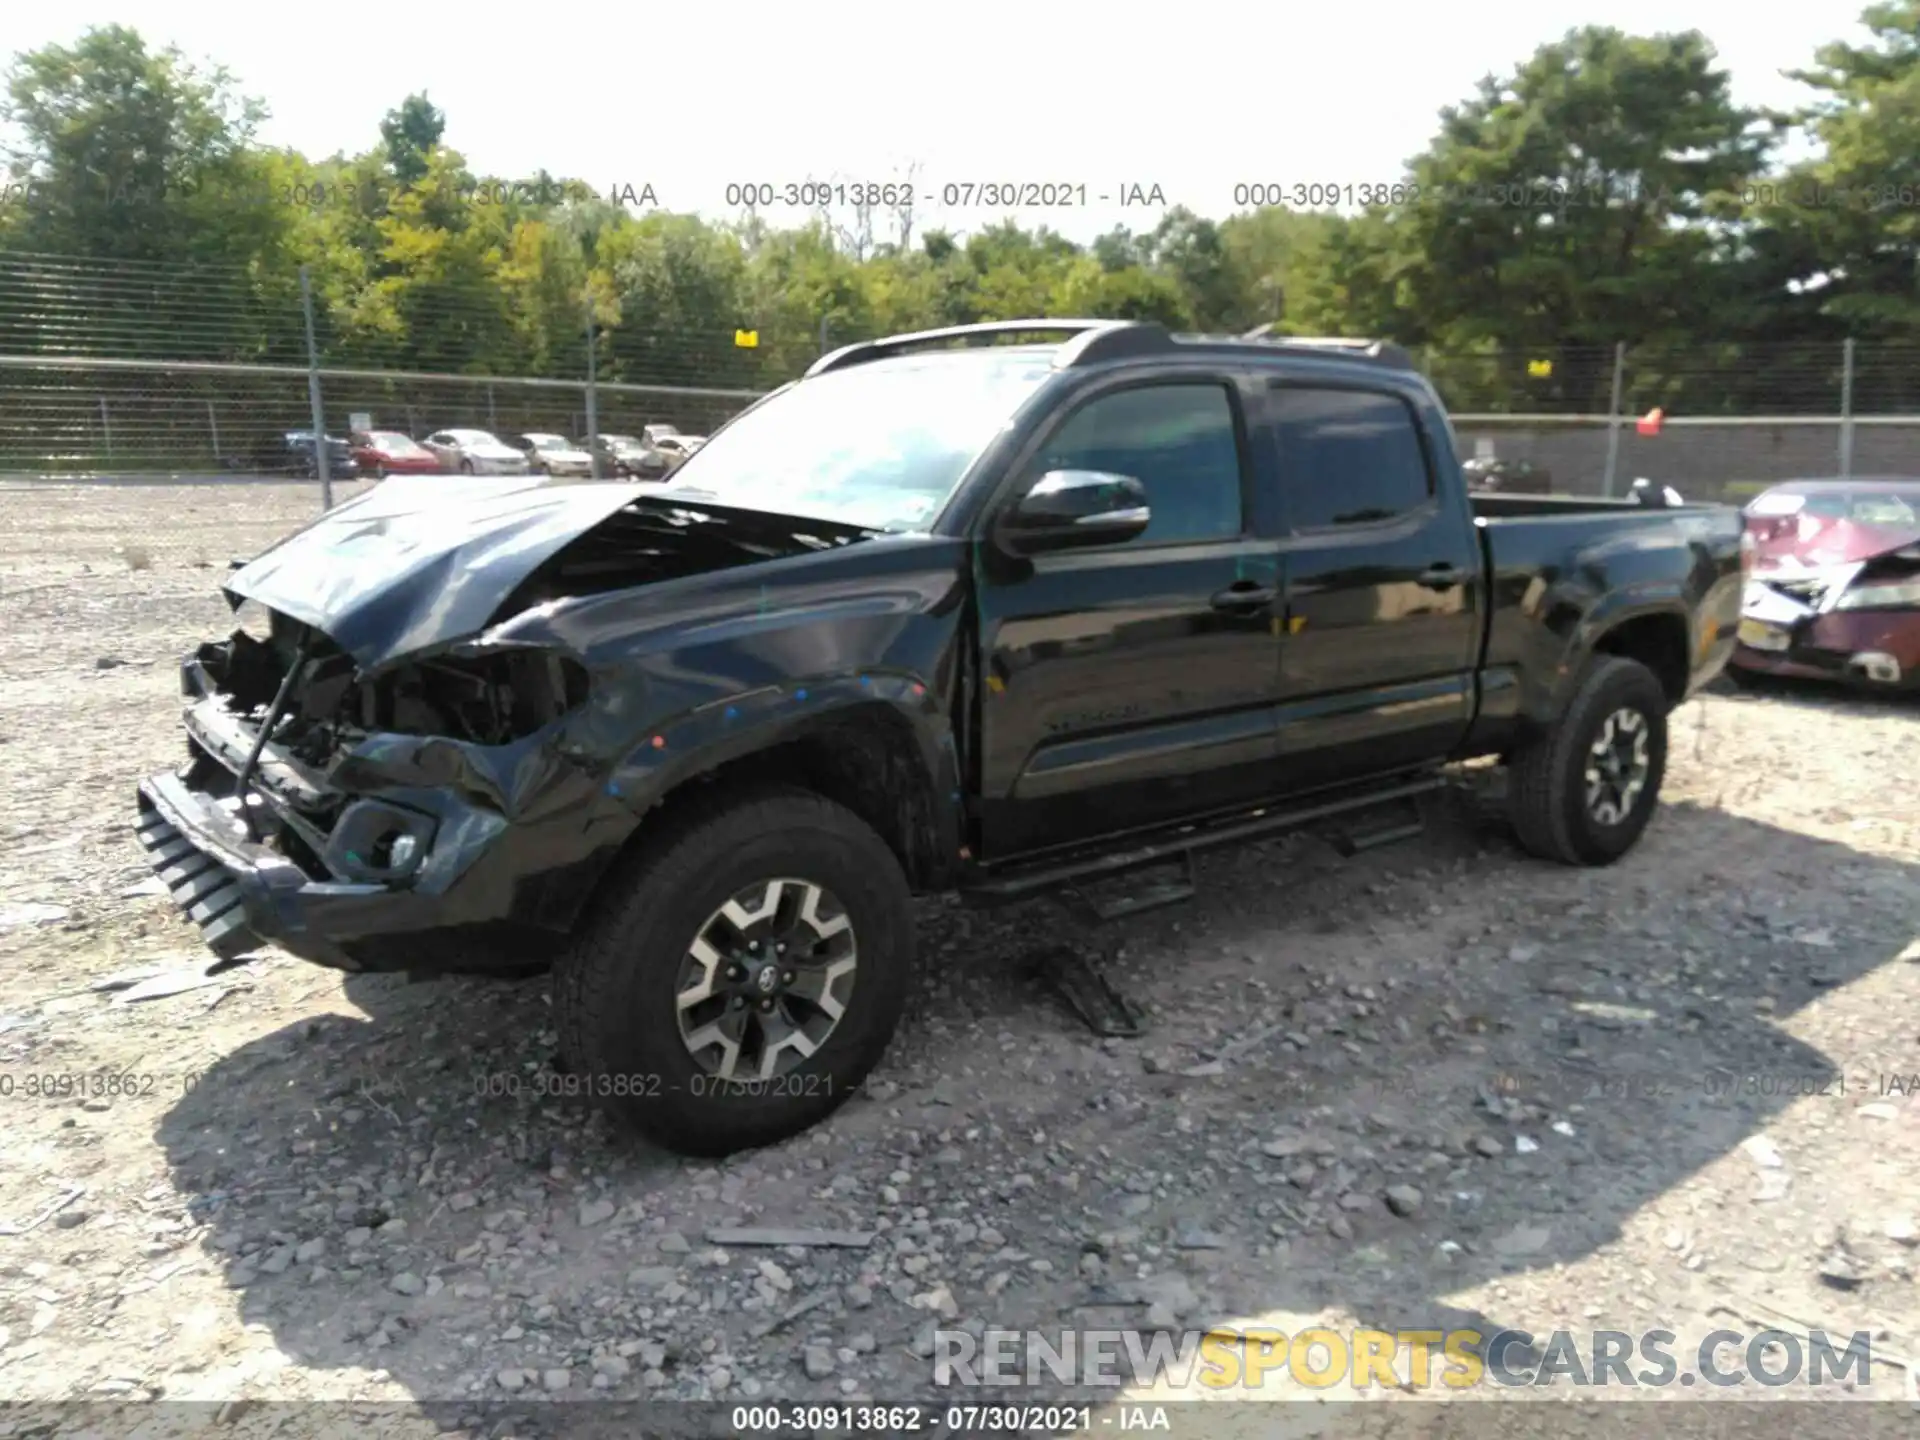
x,y
466,467
742,975
1583,793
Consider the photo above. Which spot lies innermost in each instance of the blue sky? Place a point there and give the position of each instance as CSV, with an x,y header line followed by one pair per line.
x,y
691,98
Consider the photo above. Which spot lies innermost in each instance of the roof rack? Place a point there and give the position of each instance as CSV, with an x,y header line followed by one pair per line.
x,y
1385,351
1090,342
1086,341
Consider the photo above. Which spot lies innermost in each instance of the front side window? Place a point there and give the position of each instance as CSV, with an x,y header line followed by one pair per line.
x,y
1348,457
1178,440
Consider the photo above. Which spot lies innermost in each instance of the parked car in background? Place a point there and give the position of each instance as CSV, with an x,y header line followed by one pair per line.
x,y
627,457
381,453
678,448
1835,588
549,454
654,434
1506,477
291,453
475,452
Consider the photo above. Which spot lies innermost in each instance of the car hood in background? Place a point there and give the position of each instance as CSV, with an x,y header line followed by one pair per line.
x,y
1791,545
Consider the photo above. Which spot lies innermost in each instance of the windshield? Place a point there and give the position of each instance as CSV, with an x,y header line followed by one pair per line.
x,y
398,444
881,446
472,437
547,442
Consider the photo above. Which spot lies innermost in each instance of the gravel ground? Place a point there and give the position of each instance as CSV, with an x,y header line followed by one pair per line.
x,y
1438,1084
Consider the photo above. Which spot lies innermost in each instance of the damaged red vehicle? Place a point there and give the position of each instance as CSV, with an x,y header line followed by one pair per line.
x,y
1834,592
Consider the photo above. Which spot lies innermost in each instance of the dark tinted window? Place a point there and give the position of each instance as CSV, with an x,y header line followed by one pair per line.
x,y
1347,457
1177,440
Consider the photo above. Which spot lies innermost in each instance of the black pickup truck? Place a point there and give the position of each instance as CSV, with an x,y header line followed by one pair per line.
x,y
994,610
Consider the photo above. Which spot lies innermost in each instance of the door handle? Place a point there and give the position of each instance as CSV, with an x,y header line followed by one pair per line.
x,y
1245,597
1440,577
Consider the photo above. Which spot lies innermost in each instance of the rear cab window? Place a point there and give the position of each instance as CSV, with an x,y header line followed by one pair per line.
x,y
1347,456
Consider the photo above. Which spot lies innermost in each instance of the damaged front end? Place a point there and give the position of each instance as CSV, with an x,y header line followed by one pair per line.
x,y
343,815
375,780
1855,620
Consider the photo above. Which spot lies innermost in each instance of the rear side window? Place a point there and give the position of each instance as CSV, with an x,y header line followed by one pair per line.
x,y
1177,440
1347,457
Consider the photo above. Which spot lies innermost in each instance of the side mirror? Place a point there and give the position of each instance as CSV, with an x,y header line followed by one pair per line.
x,y
1068,509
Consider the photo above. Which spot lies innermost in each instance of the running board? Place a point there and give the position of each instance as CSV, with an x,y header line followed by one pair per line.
x,y
1020,881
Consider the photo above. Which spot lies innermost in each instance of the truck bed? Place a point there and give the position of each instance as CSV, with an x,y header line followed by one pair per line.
x,y
1498,506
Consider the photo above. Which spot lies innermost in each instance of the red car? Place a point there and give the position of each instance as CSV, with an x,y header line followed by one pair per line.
x,y
381,453
1834,592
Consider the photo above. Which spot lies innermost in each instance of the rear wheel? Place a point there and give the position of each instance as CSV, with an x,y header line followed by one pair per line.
x,y
466,467
742,976
1583,793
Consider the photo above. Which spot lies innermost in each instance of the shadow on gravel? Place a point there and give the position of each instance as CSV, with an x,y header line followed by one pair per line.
x,y
404,1191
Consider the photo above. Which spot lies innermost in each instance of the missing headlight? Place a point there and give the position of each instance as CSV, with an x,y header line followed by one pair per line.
x,y
490,699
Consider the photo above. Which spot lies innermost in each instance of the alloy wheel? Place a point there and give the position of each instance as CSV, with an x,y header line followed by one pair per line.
x,y
766,980
1617,766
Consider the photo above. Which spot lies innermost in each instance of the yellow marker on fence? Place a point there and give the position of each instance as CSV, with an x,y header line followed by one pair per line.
x,y
747,339
1540,369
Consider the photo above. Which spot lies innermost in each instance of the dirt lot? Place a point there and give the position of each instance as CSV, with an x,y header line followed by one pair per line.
x,y
1474,1089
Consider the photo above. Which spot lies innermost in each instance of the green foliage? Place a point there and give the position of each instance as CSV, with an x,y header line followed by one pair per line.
x,y
1608,189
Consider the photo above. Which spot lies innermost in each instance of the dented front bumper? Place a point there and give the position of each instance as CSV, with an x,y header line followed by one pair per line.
x,y
406,853
244,895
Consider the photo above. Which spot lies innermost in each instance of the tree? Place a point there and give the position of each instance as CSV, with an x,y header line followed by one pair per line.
x,y
1843,229
410,131
1563,208
132,154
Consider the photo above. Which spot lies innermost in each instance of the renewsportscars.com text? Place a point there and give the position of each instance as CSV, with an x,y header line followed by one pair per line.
x,y
1233,1359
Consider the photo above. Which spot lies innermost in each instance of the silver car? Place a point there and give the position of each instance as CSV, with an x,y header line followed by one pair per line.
x,y
679,448
553,454
475,452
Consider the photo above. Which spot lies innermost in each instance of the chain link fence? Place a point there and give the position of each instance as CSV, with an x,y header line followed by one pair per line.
x,y
121,372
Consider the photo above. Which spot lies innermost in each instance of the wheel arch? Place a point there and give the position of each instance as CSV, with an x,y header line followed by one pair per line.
x,y
886,757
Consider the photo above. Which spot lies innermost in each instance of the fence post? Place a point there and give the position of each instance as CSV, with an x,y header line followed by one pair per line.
x,y
214,426
106,427
593,406
1613,416
823,334
1846,409
493,419
320,456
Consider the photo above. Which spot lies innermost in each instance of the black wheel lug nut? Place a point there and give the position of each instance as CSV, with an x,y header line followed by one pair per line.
x,y
766,1005
787,979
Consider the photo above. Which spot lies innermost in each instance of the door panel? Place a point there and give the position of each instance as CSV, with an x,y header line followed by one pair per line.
x,y
1131,685
1117,696
1384,592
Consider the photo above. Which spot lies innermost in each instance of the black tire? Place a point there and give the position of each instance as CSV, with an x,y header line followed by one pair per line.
x,y
615,989
466,467
1547,785
1744,679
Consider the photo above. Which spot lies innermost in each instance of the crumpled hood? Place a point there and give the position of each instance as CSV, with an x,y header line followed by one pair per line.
x,y
1797,544
412,563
